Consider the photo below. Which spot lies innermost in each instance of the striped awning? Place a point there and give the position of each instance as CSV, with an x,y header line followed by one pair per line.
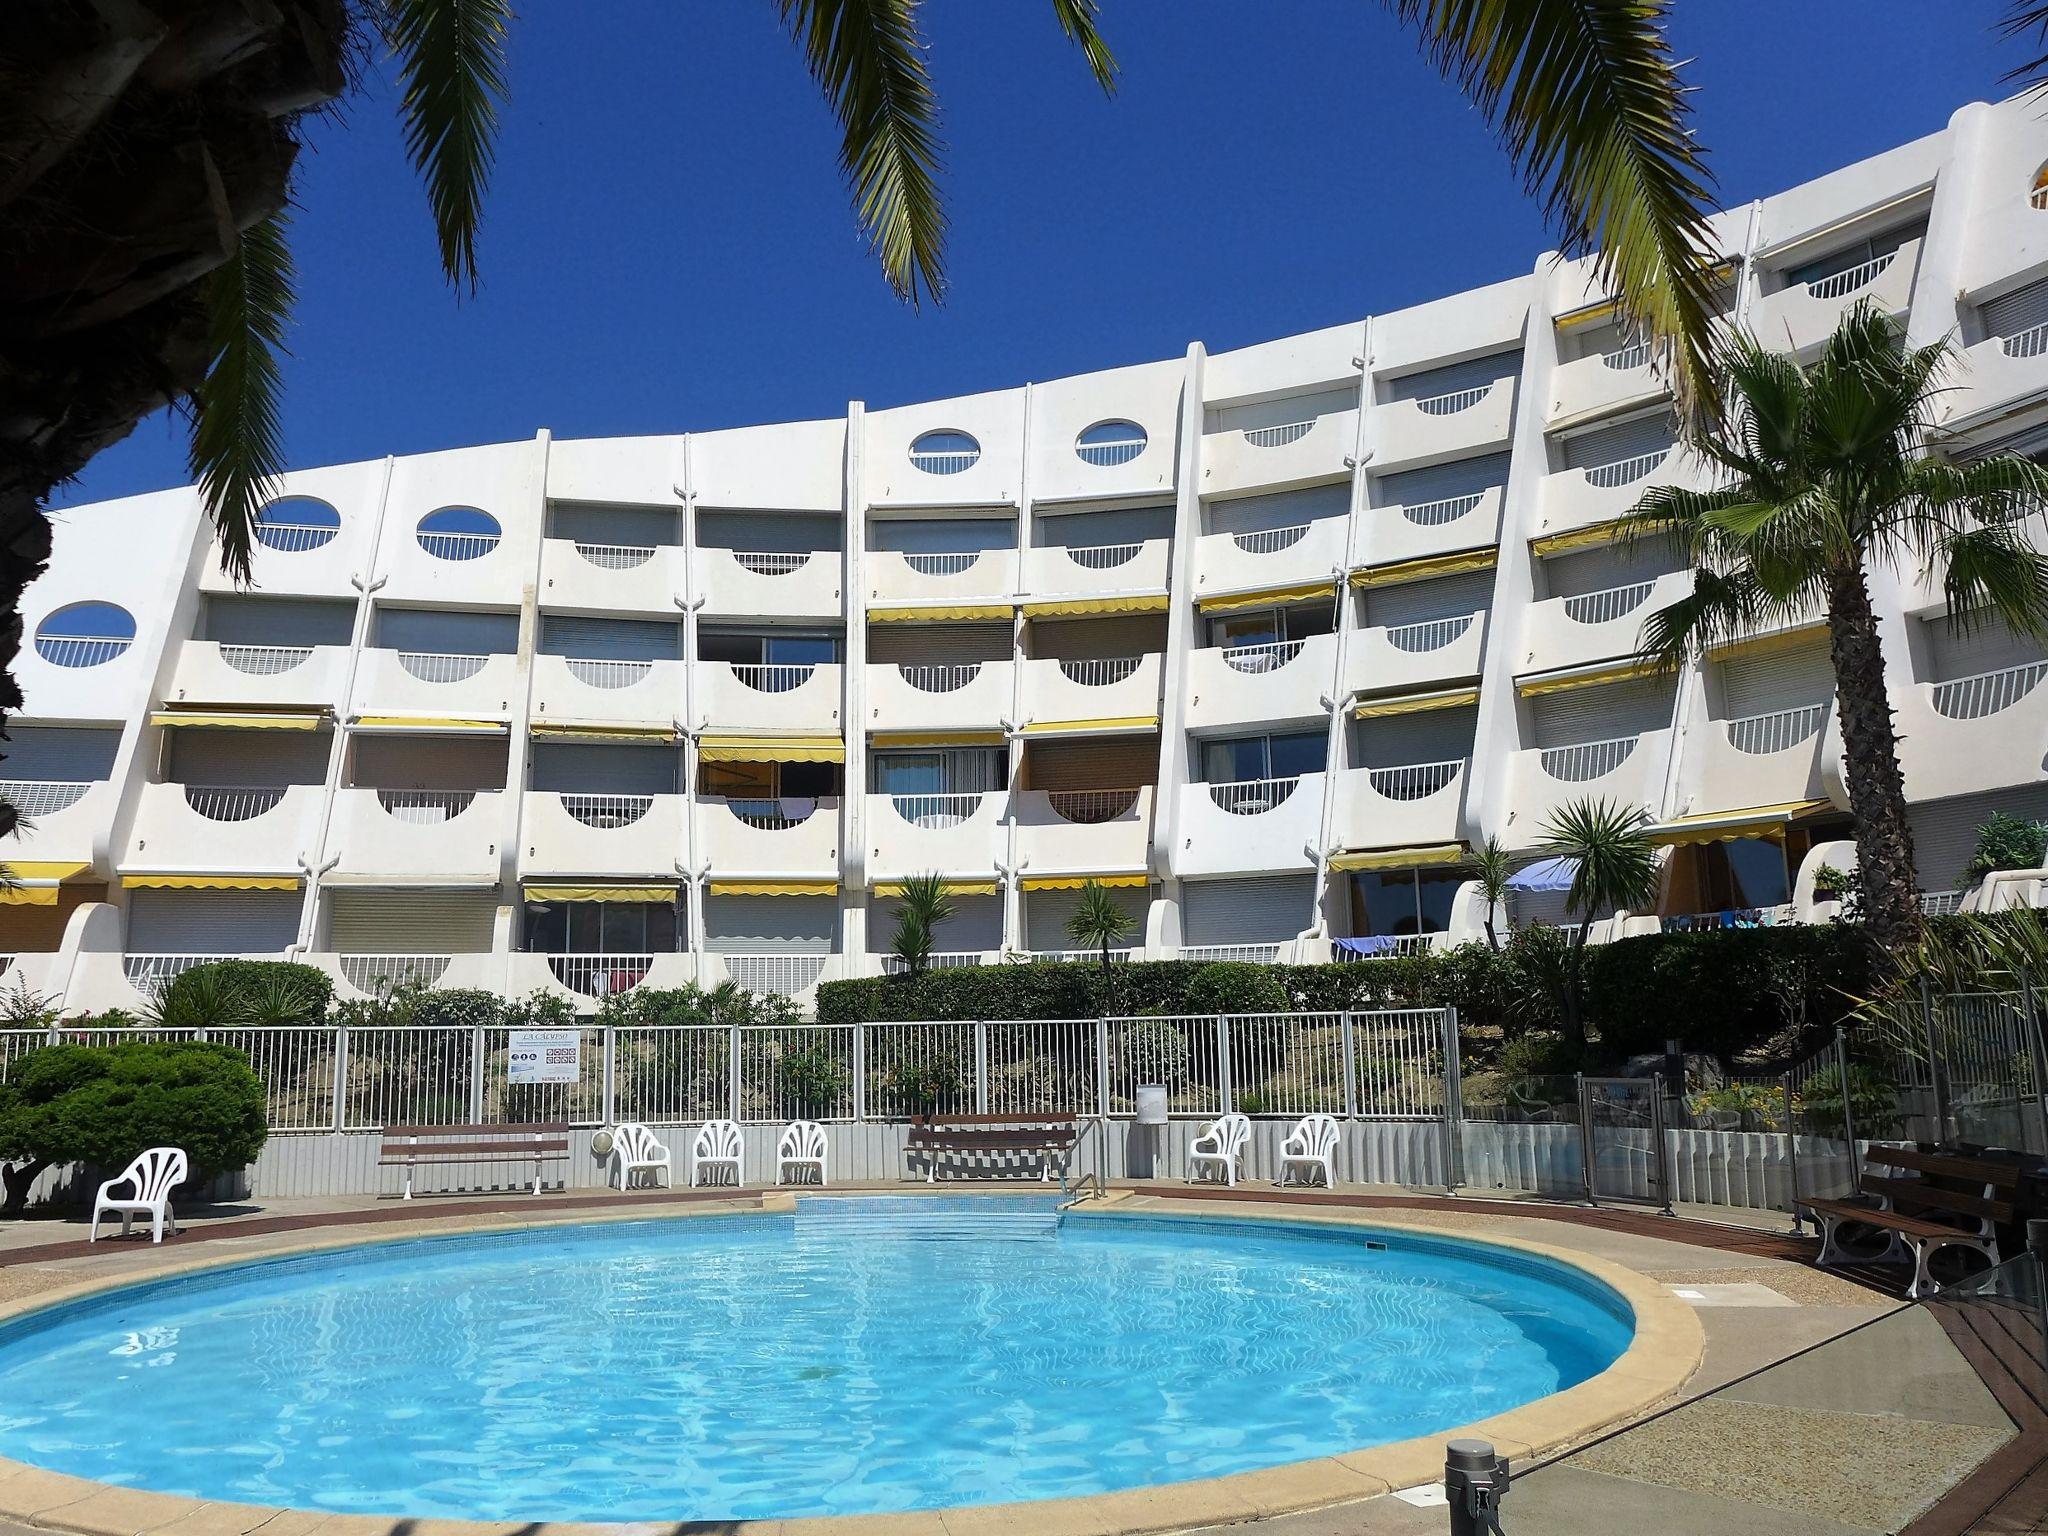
x,y
1079,607
431,725
771,749
892,889
1076,882
937,738
574,730
1584,677
1398,858
774,887
1414,703
942,613
1729,826
191,882
1426,566
659,892
239,720
1106,726
1266,597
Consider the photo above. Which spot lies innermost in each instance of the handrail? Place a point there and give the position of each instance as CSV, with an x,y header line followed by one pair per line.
x,y
1098,671
937,960
768,562
1103,557
81,650
605,672
2031,342
1607,604
265,660
1091,807
234,802
425,807
1585,760
1280,436
1987,693
1267,656
599,975
148,973
1838,285
1445,509
938,810
1252,797
44,797
607,812
949,462
786,974
1111,452
1634,354
293,538
1267,541
1429,634
1776,730
458,546
1452,401
773,815
615,557
442,666
1624,471
773,676
372,973
941,563
1414,781
939,677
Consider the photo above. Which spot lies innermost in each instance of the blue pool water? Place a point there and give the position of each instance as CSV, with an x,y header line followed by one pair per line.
x,y
861,1356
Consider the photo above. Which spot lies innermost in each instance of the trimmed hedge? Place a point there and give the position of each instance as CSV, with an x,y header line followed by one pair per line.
x,y
222,992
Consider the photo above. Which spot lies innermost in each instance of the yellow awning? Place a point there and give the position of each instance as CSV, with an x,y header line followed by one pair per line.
x,y
1075,882
1591,677
771,749
239,720
36,881
44,869
1726,826
1426,566
1100,727
1608,531
937,738
439,725
1414,703
1266,597
890,889
665,892
210,882
29,896
950,613
564,730
1586,314
774,887
1076,607
1791,637
1398,858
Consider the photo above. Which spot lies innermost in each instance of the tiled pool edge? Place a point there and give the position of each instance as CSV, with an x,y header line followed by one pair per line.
x,y
1663,1354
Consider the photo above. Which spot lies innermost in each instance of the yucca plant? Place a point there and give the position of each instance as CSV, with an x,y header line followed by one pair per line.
x,y
1491,871
923,906
1616,867
1098,921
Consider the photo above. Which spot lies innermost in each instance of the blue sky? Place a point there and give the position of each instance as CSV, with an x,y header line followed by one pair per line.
x,y
668,245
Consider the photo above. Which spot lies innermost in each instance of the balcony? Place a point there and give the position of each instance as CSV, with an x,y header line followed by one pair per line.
x,y
1997,371
746,584
1627,769
945,577
1802,316
1592,386
610,578
1249,826
587,977
1596,626
1768,759
616,835
1409,805
1439,427
1973,733
1278,457
576,688
245,828
938,696
1240,684
1397,657
293,676
60,818
784,974
450,834
1092,688
770,837
1427,528
437,683
1097,570
1582,498
951,833
1270,557
790,697
1084,831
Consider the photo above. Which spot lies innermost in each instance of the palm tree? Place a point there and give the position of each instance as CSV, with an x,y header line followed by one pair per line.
x,y
1493,871
1616,867
923,906
1827,477
1098,921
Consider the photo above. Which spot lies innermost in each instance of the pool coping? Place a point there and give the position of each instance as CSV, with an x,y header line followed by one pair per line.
x,y
1661,1357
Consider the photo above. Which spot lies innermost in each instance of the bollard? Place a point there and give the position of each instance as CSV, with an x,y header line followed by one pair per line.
x,y
1475,1482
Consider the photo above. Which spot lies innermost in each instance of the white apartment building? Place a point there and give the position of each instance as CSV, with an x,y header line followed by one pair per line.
x,y
1266,640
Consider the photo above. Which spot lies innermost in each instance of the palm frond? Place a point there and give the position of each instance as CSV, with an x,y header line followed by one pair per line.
x,y
868,57
2028,21
1718,607
237,450
1078,19
1616,864
1587,100
451,64
1996,570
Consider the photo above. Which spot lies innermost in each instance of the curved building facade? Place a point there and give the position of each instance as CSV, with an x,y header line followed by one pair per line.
x,y
1266,640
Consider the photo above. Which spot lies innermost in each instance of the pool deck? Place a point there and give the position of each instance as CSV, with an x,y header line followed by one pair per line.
x,y
1716,1302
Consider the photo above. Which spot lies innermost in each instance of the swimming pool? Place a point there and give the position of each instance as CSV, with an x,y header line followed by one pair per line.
x,y
865,1355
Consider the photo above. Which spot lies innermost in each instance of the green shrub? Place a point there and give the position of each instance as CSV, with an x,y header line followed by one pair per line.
x,y
2006,842
223,993
101,1105
1234,986
1540,1054
812,1080
458,1008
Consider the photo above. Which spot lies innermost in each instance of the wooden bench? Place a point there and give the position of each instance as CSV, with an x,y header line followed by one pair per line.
x,y
414,1146
1949,1201
1046,1135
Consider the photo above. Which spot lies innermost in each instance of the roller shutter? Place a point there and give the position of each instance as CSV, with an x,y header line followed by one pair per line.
x,y
1460,477
1440,597
770,925
943,536
1262,909
1254,514
1110,762
438,631
277,621
589,523
2020,310
59,753
1608,566
1617,441
1604,713
1279,412
1125,525
604,768
976,924
1771,681
939,645
248,757
412,922
1046,914
1435,736
564,634
1987,647
787,533
1452,377
1945,831
212,922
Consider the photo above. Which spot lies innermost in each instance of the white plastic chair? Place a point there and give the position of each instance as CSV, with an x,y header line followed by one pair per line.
x,y
1310,1145
636,1149
715,1146
801,1146
1220,1144
154,1174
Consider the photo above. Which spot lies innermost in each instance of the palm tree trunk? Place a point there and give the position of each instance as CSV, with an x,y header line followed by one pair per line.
x,y
1870,764
1574,963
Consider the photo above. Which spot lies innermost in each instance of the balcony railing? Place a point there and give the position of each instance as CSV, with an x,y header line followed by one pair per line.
x,y
148,974
605,812
1445,509
43,797
1587,759
1268,541
774,676
950,461
1453,401
1267,656
377,974
615,557
1260,954
293,538
1621,359
773,815
1079,956
1414,781
1987,693
786,975
938,677
1280,436
1429,635
1252,797
1103,557
458,546
1091,807
233,802
602,672
81,650
937,811
265,660
1760,735
771,562
1839,285
1110,452
1625,471
425,807
949,563
2031,342
600,975
1608,604
1098,671
441,666
937,960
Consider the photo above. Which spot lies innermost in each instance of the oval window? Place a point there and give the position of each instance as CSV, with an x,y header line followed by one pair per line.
x,y
293,523
458,533
85,634
1110,442
945,452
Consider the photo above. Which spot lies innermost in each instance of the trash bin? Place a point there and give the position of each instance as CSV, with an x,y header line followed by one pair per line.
x,y
1152,1127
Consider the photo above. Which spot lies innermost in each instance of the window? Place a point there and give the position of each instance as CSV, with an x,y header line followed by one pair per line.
x,y
1271,626
85,634
1391,902
1244,759
769,781
945,452
1848,262
771,649
458,533
962,771
295,523
601,927
1109,443
2037,196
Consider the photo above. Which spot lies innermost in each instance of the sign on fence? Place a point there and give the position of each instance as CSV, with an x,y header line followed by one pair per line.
x,y
544,1056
